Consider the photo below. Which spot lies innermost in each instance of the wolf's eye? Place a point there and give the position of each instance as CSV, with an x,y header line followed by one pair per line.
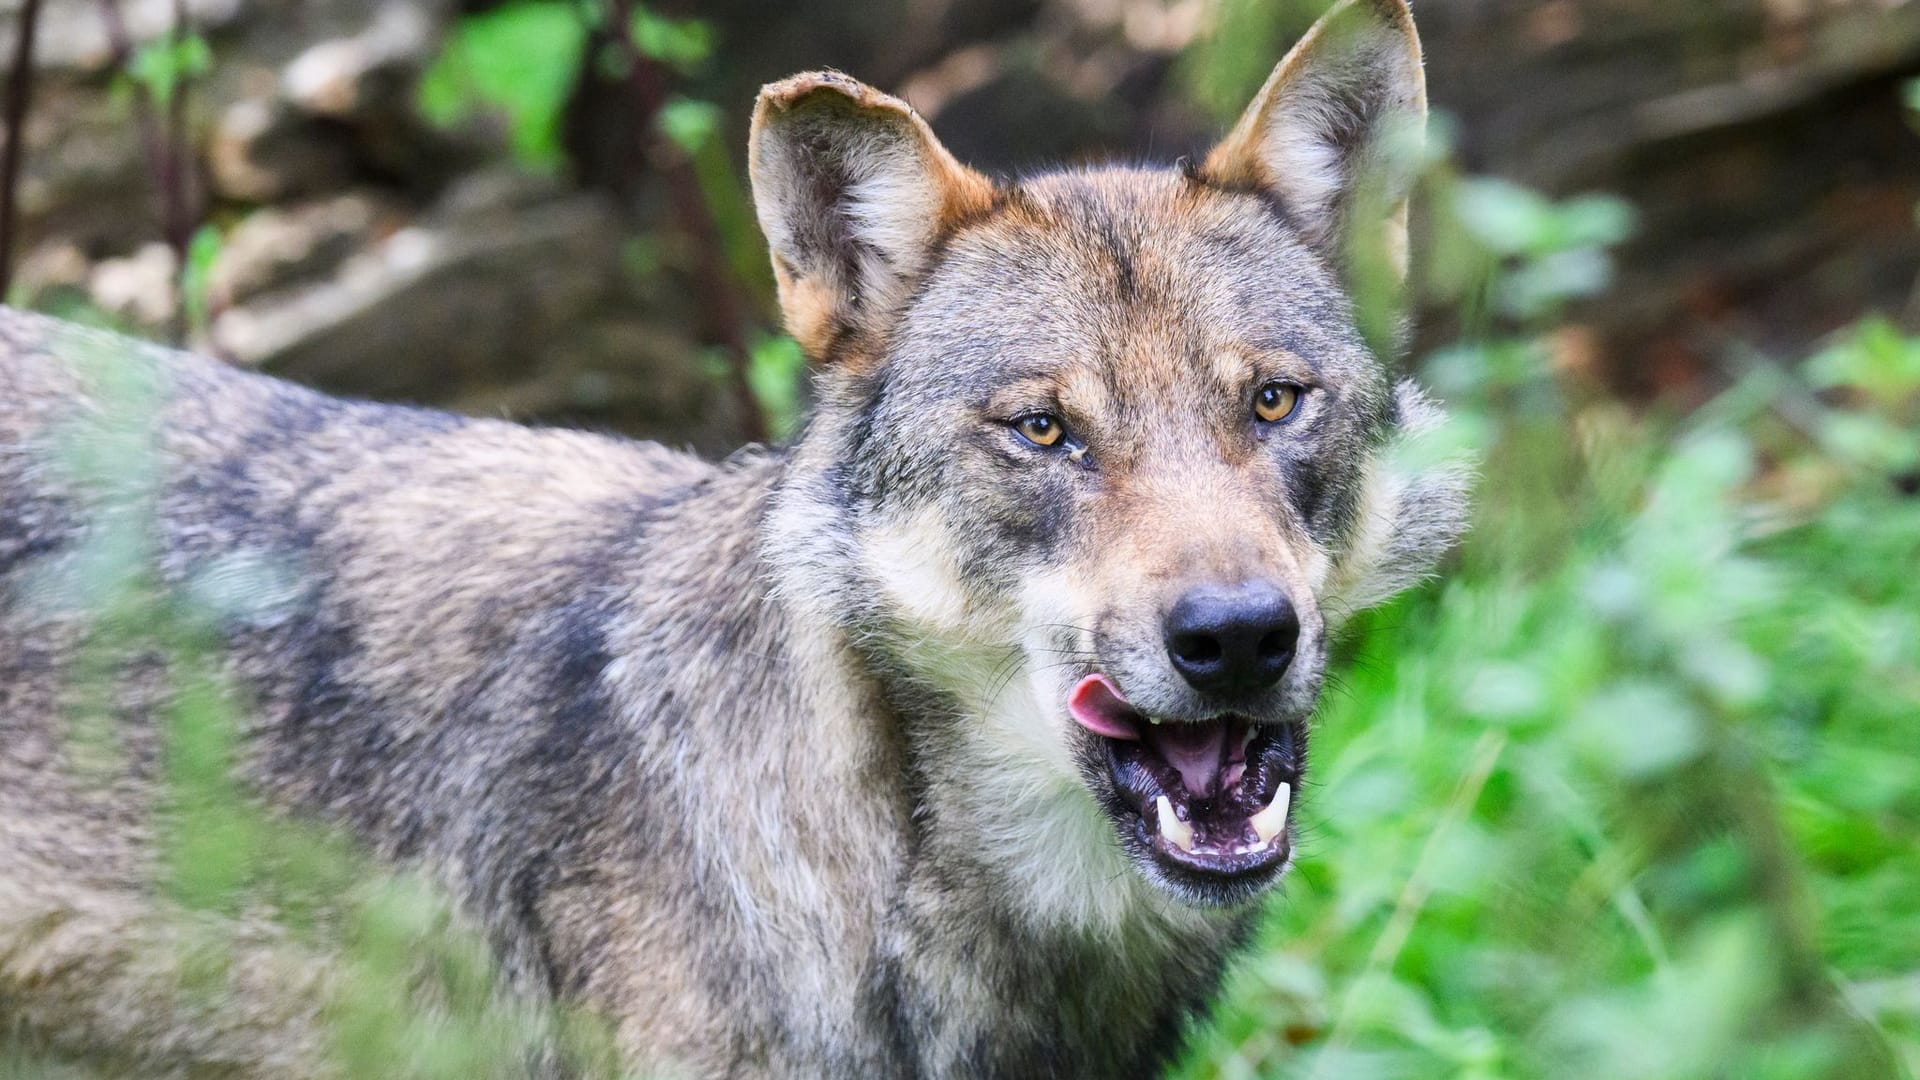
x,y
1040,429
1276,401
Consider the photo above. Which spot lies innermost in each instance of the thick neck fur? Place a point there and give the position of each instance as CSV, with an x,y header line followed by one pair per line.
x,y
1018,940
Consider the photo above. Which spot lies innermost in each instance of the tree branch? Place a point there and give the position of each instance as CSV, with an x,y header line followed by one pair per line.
x,y
19,96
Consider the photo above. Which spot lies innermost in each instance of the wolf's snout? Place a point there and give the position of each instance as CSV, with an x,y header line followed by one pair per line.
x,y
1232,639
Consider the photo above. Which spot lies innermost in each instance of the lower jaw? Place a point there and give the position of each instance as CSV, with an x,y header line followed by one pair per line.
x,y
1226,873
1211,885
1242,863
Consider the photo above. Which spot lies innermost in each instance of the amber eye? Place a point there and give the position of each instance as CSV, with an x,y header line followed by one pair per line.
x,y
1040,429
1276,401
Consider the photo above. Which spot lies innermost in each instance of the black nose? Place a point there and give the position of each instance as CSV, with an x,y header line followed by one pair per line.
x,y
1232,640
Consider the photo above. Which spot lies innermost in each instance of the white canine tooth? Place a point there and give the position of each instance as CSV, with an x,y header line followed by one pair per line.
x,y
1268,823
1154,720
1177,832
1247,739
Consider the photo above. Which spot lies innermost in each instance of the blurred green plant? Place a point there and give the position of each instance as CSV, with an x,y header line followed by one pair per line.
x,y
162,66
1222,71
694,128
1633,793
684,44
520,59
776,371
1631,797
524,59
196,277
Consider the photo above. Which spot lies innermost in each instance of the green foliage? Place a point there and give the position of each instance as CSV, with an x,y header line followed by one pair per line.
x,y
163,65
775,369
1222,72
684,44
694,128
1633,792
196,277
1700,830
520,59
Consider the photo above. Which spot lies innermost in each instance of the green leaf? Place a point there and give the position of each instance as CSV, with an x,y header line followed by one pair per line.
x,y
1640,729
163,65
1506,217
690,125
1876,358
681,43
202,252
520,60
775,368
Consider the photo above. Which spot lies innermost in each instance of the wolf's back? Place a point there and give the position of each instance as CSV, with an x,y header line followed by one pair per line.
x,y
417,610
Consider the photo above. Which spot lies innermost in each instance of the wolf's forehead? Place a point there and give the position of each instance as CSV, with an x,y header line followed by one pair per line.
x,y
1133,271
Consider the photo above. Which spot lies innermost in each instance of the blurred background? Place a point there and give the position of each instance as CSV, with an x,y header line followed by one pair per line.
x,y
1634,791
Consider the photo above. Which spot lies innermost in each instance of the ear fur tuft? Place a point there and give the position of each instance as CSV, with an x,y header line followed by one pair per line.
x,y
852,191
1412,512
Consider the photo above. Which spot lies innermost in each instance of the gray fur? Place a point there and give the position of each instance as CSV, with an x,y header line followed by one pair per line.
x,y
764,761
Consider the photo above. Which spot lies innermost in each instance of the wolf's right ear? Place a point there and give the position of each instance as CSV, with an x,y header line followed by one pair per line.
x,y
852,191
1312,136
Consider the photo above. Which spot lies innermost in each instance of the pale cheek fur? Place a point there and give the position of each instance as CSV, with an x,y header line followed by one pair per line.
x,y
916,566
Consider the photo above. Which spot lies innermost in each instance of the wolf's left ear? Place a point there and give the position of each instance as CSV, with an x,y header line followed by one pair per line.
x,y
1311,136
852,191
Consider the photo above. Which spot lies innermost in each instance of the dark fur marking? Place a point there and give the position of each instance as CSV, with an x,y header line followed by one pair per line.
x,y
1307,491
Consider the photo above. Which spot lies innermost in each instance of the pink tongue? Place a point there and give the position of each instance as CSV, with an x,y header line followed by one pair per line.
x,y
1097,705
1194,749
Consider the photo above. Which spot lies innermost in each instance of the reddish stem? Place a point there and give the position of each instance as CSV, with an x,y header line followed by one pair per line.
x,y
721,307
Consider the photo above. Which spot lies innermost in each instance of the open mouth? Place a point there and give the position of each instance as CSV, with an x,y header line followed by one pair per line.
x,y
1209,799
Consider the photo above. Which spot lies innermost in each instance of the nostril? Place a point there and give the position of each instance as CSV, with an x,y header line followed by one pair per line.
x,y
1276,646
1196,649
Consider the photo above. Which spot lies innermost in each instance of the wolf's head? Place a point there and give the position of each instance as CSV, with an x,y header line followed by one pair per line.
x,y
1099,454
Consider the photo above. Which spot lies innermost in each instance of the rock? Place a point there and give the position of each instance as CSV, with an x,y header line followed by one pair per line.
x,y
496,190
434,305
262,151
140,287
276,248
371,74
619,370
55,265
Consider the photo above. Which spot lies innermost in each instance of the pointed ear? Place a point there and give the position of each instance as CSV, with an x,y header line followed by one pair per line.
x,y
852,191
1312,135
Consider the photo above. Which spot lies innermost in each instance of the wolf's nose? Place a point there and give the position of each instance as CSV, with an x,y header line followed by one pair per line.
x,y
1232,640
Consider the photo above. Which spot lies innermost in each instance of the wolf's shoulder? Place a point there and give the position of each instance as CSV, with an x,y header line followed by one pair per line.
x,y
235,460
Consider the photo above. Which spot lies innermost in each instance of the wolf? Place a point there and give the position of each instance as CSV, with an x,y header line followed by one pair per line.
x,y
959,739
